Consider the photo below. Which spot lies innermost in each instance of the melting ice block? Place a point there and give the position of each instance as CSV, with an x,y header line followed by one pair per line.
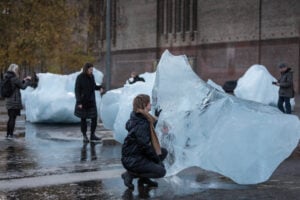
x,y
200,126
116,105
53,101
256,85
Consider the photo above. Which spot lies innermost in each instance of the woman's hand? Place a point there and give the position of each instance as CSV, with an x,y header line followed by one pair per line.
x,y
27,78
157,112
101,90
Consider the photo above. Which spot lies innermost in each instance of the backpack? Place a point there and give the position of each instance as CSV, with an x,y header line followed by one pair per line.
x,y
6,87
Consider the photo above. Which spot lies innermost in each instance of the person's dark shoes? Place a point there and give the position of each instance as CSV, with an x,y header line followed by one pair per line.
x,y
127,178
10,136
94,138
144,191
85,138
127,194
148,182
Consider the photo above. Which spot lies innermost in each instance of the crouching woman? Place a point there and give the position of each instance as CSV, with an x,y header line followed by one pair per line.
x,y
142,155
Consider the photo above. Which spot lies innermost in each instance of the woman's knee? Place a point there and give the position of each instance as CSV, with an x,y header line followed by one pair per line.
x,y
162,172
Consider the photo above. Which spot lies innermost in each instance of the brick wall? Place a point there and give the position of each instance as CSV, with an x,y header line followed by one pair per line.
x,y
228,41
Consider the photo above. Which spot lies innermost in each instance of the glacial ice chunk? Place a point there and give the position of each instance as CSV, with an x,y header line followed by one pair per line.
x,y
53,101
117,105
200,126
256,85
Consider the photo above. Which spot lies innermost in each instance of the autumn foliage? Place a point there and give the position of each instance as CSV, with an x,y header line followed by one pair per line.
x,y
41,35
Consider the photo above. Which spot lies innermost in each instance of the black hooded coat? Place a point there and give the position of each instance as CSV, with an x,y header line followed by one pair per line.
x,y
137,150
85,87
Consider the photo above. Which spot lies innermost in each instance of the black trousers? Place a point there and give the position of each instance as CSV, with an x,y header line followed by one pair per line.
x,y
286,101
83,125
152,169
12,116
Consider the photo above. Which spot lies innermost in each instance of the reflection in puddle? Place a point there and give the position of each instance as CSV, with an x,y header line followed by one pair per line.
x,y
53,149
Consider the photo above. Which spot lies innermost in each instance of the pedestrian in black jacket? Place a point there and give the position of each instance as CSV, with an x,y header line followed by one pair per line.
x,y
142,155
14,102
85,107
286,88
134,78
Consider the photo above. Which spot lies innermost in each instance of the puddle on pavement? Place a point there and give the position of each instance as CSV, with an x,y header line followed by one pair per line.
x,y
46,150
53,149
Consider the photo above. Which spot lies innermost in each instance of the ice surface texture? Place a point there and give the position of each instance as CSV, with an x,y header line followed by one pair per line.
x,y
256,85
53,101
240,139
201,126
116,105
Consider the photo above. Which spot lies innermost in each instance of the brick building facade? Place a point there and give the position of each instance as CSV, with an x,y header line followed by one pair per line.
x,y
222,38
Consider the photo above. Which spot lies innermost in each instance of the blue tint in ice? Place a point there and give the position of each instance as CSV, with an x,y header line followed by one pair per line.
x,y
256,85
117,105
54,99
201,126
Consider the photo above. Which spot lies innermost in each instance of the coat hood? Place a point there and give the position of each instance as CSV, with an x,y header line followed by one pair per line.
x,y
9,74
135,118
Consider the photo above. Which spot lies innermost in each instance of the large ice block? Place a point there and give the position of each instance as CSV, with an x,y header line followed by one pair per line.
x,y
200,126
53,101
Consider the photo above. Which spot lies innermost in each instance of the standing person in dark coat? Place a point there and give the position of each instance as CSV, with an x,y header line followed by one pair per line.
x,y
14,102
134,78
286,88
85,107
142,155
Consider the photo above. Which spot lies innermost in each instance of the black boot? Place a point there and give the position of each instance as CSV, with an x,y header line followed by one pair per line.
x,y
94,138
148,182
85,138
127,178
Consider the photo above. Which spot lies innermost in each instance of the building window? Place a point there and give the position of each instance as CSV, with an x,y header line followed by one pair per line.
x,y
177,16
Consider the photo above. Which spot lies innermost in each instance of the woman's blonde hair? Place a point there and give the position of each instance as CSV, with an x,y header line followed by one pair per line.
x,y
140,102
14,68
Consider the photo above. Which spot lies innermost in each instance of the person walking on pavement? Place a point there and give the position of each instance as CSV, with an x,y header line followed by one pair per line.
x,y
14,101
85,107
286,88
142,155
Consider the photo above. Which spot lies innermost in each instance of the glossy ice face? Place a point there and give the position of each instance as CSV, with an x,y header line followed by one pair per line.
x,y
201,126
54,99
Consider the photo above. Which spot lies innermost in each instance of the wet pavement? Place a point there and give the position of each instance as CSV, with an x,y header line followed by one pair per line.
x,y
51,162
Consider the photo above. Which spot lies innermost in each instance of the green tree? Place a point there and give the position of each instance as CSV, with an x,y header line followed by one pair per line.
x,y
39,36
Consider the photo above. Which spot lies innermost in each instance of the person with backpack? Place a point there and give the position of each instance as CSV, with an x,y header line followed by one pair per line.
x,y
13,96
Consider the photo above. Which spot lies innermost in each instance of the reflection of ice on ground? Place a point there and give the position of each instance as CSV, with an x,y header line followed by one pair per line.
x,y
240,139
53,101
